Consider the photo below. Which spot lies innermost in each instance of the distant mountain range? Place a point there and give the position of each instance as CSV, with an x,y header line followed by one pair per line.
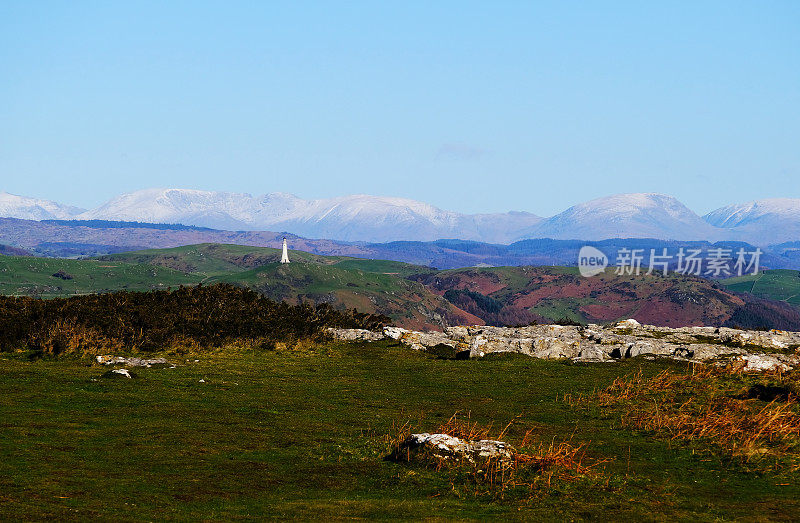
x,y
771,221
13,206
375,219
78,238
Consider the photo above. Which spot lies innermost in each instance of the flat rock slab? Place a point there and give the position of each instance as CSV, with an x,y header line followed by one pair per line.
x,y
452,449
130,362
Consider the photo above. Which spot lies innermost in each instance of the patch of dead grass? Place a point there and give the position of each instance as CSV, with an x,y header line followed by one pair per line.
x,y
702,408
534,465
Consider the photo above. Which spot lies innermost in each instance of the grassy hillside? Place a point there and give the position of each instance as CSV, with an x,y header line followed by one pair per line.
x,y
292,434
783,285
213,259
418,297
370,286
407,302
48,277
210,259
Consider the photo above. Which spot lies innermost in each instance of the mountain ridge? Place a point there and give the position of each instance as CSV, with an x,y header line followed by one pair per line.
x,y
377,219
357,217
26,208
634,215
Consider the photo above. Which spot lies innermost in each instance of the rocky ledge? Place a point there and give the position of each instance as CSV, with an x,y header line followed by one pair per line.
x,y
752,350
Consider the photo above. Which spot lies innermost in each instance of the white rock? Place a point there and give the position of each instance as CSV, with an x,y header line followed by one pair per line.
x,y
447,447
763,362
394,333
355,334
130,362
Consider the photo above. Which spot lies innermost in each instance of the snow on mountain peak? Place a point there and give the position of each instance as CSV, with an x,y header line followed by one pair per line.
x,y
363,217
634,215
739,214
13,206
632,203
357,217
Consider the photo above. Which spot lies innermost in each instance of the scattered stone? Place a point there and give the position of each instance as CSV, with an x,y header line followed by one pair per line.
x,y
131,362
118,373
451,448
593,354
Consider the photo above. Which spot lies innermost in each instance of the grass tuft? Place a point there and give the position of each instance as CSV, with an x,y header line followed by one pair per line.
x,y
533,468
718,409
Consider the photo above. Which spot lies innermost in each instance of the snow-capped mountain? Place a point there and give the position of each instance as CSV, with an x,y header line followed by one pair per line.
x,y
350,218
219,210
13,206
381,218
639,215
770,221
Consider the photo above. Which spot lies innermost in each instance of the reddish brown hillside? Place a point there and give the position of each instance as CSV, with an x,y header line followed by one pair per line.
x,y
555,293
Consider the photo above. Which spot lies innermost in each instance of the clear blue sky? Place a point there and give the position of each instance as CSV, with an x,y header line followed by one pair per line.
x,y
471,106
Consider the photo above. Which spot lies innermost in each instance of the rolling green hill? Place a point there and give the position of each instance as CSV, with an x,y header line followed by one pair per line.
x,y
213,259
408,302
49,277
209,259
419,297
368,285
780,284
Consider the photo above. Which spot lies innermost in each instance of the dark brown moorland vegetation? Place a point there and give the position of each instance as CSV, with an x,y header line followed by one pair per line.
x,y
207,316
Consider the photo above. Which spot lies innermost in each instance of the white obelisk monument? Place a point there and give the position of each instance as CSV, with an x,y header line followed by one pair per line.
x,y
285,255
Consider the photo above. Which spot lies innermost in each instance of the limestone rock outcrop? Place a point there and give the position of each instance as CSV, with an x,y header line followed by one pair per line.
x,y
755,350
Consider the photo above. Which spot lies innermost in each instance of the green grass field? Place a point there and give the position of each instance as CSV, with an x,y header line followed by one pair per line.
x,y
304,433
21,275
564,308
779,284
